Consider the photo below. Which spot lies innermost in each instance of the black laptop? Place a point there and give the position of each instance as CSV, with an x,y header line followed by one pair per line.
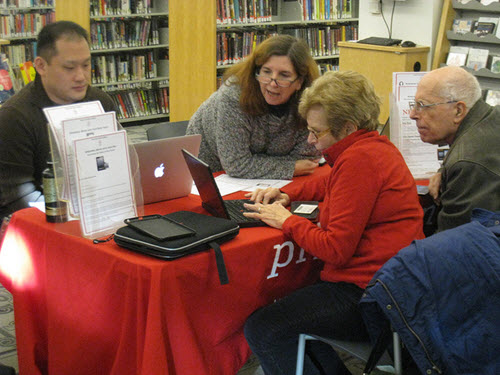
x,y
379,41
212,201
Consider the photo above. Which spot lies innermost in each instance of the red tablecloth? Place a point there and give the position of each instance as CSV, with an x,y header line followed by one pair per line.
x,y
84,308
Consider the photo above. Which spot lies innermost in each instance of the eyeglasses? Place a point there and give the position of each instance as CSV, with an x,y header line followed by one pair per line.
x,y
318,134
419,106
279,82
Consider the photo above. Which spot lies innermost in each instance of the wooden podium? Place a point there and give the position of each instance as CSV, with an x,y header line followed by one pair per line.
x,y
377,63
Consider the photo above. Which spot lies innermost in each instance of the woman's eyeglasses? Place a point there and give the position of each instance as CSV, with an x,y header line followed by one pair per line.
x,y
318,134
265,79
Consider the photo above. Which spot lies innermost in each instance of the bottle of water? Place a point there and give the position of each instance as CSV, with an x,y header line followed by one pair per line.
x,y
56,211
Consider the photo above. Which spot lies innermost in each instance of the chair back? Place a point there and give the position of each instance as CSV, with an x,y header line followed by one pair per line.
x,y
167,130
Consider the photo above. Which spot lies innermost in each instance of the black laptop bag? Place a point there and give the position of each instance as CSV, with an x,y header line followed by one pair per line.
x,y
209,232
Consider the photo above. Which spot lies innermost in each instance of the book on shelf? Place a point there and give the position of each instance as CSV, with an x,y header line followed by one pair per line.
x,y
457,56
124,33
326,9
120,7
25,24
323,40
140,102
495,64
485,26
493,97
6,85
325,67
28,71
122,68
462,26
244,11
477,58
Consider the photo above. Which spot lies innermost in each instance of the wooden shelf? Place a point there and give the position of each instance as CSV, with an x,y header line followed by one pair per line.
x,y
471,37
144,118
25,9
125,49
132,81
230,26
134,15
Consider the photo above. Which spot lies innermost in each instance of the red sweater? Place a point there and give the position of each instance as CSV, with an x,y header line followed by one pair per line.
x,y
370,209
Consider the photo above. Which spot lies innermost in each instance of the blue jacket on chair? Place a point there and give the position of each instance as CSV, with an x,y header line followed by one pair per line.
x,y
442,295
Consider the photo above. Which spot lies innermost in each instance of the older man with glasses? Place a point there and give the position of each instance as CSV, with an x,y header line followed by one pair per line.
x,y
448,109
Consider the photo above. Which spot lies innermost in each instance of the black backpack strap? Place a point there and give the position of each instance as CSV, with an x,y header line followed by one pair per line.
x,y
382,343
221,266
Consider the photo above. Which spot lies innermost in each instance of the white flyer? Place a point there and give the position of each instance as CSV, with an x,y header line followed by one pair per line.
x,y
55,115
421,158
78,128
104,184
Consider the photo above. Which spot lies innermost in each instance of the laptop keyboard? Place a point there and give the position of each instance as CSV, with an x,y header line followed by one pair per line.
x,y
235,209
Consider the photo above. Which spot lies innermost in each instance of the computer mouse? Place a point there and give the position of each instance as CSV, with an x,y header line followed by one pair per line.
x,y
408,43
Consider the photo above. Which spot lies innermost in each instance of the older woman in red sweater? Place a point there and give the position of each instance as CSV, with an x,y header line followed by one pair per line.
x,y
370,211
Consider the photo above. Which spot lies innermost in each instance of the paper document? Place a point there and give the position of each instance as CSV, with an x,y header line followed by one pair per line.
x,y
78,128
56,115
421,158
104,183
228,185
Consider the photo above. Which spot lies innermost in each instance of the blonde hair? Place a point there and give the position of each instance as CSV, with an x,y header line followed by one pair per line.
x,y
345,96
243,74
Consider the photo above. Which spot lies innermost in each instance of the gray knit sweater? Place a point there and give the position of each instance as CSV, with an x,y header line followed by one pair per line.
x,y
247,146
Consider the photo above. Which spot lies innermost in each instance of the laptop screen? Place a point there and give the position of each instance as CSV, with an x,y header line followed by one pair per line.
x,y
206,185
164,174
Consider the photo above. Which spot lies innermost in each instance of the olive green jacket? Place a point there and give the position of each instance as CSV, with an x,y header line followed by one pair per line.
x,y
471,170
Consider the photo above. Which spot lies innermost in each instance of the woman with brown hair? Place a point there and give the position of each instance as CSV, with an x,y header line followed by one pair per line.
x,y
250,126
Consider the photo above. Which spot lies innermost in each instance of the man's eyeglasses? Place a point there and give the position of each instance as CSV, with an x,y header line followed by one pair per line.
x,y
419,106
318,134
262,78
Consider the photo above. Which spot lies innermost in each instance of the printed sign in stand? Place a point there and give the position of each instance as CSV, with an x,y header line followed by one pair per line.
x,y
104,184
421,158
92,164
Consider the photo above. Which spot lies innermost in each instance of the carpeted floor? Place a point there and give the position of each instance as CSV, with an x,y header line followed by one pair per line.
x,y
8,352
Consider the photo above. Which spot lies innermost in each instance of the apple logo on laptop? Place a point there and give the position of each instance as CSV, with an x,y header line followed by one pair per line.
x,y
159,171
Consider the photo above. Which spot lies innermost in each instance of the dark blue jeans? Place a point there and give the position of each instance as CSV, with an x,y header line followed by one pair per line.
x,y
325,309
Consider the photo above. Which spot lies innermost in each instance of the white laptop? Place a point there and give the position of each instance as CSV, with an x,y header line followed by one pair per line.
x,y
164,173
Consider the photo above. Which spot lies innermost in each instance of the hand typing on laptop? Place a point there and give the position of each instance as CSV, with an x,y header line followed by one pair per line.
x,y
268,195
269,206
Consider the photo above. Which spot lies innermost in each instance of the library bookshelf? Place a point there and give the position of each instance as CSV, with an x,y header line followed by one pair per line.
x,y
19,27
191,51
129,48
192,46
243,25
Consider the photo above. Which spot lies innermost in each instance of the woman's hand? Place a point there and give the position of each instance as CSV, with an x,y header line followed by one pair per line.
x,y
269,195
306,166
273,215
